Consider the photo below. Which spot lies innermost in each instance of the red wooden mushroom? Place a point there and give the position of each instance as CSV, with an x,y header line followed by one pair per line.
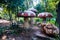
x,y
26,15
45,15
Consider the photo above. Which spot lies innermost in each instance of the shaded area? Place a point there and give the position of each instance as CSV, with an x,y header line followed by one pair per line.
x,y
33,33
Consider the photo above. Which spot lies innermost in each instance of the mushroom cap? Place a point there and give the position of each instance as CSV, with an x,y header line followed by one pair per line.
x,y
45,15
28,14
33,10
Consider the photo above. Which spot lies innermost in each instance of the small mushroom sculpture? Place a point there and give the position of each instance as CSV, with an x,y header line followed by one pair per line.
x,y
45,15
31,19
26,15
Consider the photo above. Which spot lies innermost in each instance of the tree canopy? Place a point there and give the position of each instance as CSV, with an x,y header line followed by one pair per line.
x,y
12,7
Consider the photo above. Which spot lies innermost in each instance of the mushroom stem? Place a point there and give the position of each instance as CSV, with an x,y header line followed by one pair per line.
x,y
44,20
26,23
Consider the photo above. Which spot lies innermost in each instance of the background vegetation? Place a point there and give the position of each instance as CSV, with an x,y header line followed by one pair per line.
x,y
10,8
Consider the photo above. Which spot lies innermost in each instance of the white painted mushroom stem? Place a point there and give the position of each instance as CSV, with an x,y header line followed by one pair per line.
x,y
26,22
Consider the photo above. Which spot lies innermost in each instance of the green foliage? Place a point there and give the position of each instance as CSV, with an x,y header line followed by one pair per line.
x,y
38,20
53,20
11,7
48,6
40,8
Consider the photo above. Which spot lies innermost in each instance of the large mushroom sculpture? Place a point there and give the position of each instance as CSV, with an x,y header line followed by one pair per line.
x,y
45,15
26,15
35,11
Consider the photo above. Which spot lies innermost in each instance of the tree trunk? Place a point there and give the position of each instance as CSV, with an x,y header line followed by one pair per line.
x,y
10,15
